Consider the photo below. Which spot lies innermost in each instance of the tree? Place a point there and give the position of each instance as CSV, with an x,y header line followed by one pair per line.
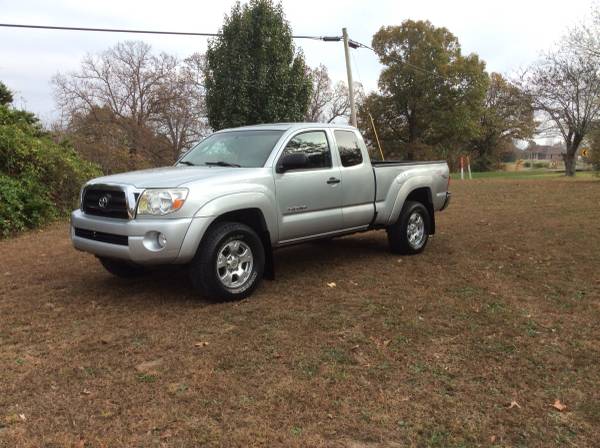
x,y
6,96
39,178
565,88
181,119
594,142
142,92
430,94
328,102
507,115
254,74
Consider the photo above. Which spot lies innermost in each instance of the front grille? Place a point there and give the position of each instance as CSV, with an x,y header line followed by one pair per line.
x,y
106,203
111,238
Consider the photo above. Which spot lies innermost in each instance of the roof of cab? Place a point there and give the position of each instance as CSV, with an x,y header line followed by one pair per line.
x,y
288,126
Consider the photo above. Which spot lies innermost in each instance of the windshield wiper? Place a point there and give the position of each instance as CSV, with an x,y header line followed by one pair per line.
x,y
222,163
185,162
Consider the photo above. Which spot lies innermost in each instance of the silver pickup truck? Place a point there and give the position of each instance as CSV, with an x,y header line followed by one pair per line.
x,y
240,193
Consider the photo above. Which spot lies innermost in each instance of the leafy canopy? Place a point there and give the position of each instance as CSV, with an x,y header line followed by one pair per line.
x,y
431,95
253,73
39,178
507,115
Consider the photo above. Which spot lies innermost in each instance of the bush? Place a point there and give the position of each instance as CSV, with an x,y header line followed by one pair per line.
x,y
39,179
23,204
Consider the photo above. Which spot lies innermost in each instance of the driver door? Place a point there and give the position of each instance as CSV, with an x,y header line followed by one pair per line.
x,y
309,199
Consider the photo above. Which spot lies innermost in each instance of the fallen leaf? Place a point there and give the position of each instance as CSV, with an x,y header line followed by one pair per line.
x,y
85,392
331,285
514,404
22,417
387,342
493,439
559,406
149,366
355,347
201,344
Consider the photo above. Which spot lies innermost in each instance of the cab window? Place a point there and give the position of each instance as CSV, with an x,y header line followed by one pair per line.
x,y
348,147
316,147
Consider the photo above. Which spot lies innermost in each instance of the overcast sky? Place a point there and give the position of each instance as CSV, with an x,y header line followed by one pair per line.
x,y
506,34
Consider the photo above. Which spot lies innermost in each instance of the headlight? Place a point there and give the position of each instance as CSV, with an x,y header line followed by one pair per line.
x,y
161,202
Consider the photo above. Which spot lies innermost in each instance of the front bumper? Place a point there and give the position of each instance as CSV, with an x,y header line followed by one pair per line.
x,y
182,238
446,201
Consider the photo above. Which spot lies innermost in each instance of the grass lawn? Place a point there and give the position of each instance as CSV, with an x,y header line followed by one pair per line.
x,y
468,344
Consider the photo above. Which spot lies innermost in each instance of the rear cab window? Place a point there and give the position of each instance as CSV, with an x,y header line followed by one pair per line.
x,y
349,148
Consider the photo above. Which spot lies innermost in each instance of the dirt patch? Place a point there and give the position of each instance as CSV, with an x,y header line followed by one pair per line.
x,y
430,350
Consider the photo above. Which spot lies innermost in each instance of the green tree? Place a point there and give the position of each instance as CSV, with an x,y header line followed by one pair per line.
x,y
431,95
594,146
254,74
39,179
6,96
507,115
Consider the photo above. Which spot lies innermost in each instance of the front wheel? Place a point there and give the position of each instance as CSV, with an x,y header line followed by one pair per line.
x,y
409,235
230,262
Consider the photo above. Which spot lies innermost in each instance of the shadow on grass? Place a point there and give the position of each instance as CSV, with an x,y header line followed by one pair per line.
x,y
163,284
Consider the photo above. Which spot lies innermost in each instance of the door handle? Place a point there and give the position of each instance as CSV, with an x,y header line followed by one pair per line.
x,y
333,180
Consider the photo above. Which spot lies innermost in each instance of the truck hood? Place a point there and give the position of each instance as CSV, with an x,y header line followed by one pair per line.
x,y
169,177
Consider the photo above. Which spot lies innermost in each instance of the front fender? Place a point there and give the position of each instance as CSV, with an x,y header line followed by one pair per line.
x,y
238,201
220,205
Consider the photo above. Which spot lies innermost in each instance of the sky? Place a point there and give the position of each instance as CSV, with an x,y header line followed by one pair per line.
x,y
507,35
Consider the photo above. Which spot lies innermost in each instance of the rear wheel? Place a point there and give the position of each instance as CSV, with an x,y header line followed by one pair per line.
x,y
409,235
230,262
121,268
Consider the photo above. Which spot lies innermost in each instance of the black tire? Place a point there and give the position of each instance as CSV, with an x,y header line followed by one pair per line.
x,y
206,276
121,268
398,233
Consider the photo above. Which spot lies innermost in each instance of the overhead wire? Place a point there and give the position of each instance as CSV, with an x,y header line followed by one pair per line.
x,y
137,31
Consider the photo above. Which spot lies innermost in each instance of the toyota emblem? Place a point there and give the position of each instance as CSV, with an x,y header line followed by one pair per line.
x,y
104,200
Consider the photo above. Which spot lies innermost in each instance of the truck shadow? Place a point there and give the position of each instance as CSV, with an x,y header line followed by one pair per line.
x,y
292,264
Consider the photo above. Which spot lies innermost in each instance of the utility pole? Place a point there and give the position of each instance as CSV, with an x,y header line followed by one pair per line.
x,y
350,83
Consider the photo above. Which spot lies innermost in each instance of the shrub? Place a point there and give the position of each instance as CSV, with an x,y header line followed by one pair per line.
x,y
39,179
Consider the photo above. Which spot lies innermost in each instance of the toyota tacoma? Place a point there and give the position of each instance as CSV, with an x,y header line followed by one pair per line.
x,y
241,193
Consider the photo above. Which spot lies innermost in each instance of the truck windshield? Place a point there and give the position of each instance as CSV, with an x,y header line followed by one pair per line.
x,y
246,149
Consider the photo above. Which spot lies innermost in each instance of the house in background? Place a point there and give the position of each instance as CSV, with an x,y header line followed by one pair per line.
x,y
551,153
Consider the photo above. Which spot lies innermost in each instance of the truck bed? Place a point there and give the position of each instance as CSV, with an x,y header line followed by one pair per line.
x,y
395,178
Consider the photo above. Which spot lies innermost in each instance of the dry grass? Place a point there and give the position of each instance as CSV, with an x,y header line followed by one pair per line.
x,y
417,351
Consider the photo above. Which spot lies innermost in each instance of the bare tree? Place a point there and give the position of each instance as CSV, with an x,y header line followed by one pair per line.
x,y
328,101
143,91
181,117
565,87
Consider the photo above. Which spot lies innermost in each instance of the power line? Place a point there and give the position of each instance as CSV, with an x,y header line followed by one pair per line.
x,y
351,43
416,67
120,30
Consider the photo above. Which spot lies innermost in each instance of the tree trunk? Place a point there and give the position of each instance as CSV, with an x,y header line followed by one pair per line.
x,y
570,163
569,157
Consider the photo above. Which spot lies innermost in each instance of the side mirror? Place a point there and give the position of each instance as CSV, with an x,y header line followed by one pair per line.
x,y
293,161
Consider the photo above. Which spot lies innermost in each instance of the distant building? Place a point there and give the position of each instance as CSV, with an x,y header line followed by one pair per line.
x,y
544,152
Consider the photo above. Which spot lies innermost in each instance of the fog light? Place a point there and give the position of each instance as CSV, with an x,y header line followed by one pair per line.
x,y
154,241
